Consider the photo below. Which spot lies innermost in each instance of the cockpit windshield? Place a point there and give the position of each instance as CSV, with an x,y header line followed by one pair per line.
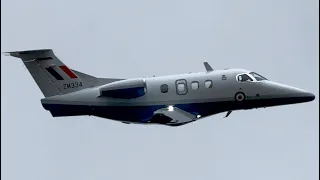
x,y
257,76
244,77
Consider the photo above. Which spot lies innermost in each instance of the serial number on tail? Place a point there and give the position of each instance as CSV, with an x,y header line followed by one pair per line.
x,y
72,85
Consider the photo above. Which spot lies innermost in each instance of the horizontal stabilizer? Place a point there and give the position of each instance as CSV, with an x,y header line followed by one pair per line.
x,y
41,54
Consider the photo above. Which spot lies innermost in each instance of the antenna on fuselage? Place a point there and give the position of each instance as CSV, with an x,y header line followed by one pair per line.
x,y
207,66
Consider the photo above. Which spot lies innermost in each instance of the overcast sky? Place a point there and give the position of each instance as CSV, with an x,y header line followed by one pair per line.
x,y
126,39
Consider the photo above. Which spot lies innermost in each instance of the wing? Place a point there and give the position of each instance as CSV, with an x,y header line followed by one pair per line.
x,y
174,117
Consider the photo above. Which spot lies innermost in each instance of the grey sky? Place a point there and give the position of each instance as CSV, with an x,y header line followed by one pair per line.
x,y
276,38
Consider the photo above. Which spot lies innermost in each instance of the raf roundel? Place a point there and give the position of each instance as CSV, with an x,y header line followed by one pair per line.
x,y
240,97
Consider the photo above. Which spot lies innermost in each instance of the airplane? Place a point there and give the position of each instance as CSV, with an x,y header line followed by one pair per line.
x,y
171,100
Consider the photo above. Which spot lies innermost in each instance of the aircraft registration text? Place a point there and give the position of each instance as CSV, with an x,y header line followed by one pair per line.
x,y
72,85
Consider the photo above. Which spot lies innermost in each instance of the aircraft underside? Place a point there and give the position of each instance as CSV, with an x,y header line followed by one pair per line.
x,y
159,114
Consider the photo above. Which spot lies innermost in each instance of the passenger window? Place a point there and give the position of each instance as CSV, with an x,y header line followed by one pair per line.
x,y
244,77
181,87
195,85
208,84
164,88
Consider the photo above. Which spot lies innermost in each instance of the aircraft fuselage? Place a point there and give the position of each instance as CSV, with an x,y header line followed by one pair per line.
x,y
200,94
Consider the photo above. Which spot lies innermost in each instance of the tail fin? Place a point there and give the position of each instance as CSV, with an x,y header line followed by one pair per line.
x,y
52,76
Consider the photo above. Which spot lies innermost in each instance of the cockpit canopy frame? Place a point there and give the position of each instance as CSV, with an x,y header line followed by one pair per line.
x,y
250,77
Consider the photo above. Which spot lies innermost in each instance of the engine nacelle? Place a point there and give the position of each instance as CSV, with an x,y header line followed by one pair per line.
x,y
124,89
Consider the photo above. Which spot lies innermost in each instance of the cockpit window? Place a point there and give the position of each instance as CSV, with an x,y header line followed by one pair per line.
x,y
244,77
257,76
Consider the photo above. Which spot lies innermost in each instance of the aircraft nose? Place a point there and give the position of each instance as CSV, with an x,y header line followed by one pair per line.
x,y
304,95
301,94
309,96
289,92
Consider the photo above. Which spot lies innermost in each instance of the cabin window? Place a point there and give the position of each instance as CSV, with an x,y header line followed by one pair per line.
x,y
195,85
208,84
181,87
164,88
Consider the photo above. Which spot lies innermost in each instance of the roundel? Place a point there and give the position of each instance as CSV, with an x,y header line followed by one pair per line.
x,y
240,97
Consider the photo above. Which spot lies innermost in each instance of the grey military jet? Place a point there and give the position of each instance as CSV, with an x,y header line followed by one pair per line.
x,y
168,100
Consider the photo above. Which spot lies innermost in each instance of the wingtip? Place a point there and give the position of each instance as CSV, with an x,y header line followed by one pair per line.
x,y
6,53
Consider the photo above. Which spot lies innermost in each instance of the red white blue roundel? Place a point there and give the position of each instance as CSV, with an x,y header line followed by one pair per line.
x,y
240,97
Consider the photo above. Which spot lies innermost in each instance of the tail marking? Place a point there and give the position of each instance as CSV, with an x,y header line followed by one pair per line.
x,y
68,72
54,73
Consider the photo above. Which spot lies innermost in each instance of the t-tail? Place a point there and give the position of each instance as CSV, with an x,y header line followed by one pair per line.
x,y
52,76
